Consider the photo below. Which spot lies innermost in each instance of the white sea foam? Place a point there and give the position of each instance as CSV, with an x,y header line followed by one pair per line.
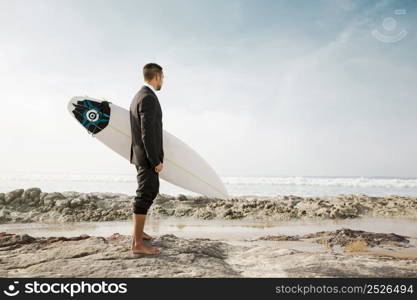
x,y
232,180
325,181
262,186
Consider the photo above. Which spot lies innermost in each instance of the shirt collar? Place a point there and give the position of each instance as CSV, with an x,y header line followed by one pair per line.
x,y
150,86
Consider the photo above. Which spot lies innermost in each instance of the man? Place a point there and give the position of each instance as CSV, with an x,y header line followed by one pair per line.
x,y
147,152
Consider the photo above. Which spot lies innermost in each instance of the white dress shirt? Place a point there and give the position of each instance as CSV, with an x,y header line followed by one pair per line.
x,y
150,86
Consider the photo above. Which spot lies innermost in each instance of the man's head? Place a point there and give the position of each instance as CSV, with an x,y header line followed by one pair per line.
x,y
152,74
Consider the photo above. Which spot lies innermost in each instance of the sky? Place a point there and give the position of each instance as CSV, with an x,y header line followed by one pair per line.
x,y
258,88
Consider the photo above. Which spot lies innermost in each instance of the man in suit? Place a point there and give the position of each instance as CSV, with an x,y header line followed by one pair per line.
x,y
147,152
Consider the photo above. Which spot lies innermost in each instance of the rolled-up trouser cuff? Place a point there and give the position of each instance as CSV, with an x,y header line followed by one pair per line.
x,y
140,211
148,189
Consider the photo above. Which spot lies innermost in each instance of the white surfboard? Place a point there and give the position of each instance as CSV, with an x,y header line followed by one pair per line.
x,y
183,166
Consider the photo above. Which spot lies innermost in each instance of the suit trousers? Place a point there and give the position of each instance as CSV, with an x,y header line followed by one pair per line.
x,y
148,189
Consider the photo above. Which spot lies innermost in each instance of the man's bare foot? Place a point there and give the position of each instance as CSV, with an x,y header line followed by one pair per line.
x,y
144,237
134,242
144,249
147,236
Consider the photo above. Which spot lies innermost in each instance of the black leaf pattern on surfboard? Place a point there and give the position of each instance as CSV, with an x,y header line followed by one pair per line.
x,y
93,115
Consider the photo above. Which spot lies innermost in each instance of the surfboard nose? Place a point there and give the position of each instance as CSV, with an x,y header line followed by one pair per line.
x,y
73,101
92,114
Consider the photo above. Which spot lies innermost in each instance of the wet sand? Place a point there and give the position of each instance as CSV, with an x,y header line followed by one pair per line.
x,y
225,230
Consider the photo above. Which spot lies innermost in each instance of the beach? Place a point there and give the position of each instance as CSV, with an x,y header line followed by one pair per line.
x,y
66,234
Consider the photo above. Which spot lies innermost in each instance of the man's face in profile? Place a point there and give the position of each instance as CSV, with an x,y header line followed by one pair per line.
x,y
159,80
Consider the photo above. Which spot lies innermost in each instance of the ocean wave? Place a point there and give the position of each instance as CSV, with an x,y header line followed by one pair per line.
x,y
324,181
231,180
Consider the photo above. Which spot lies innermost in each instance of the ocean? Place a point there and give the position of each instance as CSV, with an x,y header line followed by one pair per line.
x,y
236,186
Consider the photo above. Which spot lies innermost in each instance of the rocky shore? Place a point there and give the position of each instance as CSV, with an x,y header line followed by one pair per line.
x,y
97,256
339,253
34,205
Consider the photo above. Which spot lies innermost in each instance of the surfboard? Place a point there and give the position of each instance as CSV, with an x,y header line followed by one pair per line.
x,y
184,167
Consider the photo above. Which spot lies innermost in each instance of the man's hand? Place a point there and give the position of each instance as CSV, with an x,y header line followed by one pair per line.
x,y
159,167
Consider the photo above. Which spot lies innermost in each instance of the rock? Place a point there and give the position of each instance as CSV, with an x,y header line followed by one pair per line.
x,y
181,197
51,198
323,212
15,203
263,208
48,202
180,212
13,195
114,205
280,237
344,236
92,256
85,197
335,213
272,262
110,257
32,193
232,214
54,196
76,202
61,203
204,214
4,215
71,194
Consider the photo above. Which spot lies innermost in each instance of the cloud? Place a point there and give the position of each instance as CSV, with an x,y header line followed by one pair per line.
x,y
272,88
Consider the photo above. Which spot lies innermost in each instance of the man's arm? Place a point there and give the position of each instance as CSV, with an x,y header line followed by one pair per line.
x,y
147,112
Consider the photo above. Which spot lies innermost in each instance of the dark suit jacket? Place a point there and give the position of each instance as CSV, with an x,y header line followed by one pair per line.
x,y
146,129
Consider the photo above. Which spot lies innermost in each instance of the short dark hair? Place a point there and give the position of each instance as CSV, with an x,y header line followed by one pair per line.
x,y
150,70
